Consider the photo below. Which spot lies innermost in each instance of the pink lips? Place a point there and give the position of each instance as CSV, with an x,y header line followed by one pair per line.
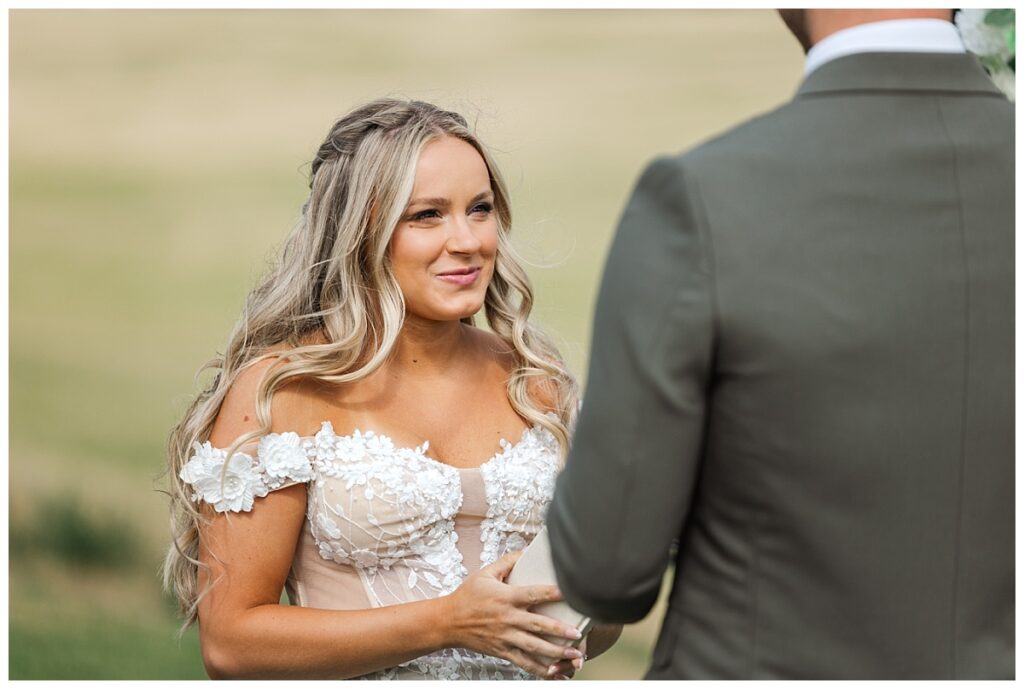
x,y
460,276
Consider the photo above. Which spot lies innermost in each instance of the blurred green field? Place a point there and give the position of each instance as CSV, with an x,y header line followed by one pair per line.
x,y
157,159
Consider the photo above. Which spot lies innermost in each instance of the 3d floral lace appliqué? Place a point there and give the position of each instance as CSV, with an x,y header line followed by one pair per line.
x,y
518,483
381,508
389,513
282,461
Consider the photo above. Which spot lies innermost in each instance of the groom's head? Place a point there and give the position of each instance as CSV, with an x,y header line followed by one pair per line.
x,y
810,26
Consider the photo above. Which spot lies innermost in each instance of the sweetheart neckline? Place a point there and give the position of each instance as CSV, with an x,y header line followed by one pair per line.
x,y
420,450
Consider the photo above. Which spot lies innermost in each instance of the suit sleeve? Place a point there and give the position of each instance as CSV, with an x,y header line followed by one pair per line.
x,y
625,493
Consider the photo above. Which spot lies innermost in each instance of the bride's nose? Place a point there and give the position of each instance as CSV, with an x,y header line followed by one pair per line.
x,y
462,237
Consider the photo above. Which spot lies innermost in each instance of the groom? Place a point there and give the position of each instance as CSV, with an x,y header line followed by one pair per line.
x,y
802,375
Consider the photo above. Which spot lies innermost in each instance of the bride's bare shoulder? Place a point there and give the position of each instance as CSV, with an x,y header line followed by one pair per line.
x,y
289,404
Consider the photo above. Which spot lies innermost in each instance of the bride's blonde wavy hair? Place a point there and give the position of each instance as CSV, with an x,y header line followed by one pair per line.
x,y
331,309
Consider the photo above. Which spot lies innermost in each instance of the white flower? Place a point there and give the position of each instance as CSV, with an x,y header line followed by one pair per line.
x,y
981,38
332,550
284,459
325,440
356,474
515,542
379,446
431,483
350,448
231,489
202,463
364,558
1006,81
328,526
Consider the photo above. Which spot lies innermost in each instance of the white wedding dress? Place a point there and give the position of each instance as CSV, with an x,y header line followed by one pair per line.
x,y
387,524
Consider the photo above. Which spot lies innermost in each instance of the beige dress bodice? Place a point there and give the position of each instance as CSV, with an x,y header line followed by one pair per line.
x,y
387,525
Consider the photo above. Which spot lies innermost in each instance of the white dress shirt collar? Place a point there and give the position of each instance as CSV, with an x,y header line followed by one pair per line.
x,y
891,36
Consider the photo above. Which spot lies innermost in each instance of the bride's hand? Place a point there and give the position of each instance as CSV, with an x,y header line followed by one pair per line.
x,y
491,617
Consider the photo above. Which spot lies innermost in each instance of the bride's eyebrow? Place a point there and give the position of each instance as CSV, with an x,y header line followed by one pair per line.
x,y
437,201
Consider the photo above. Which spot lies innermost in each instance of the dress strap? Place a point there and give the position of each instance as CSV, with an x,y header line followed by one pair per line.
x,y
232,485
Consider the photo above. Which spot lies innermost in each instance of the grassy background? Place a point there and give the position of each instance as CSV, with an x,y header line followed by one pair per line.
x,y
158,158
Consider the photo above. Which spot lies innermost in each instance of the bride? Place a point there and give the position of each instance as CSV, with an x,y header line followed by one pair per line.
x,y
364,446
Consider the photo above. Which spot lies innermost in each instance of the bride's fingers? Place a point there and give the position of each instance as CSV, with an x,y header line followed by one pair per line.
x,y
541,648
528,663
567,668
534,595
503,565
540,624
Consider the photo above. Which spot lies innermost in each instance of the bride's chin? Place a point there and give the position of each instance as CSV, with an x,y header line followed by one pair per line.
x,y
463,308
448,313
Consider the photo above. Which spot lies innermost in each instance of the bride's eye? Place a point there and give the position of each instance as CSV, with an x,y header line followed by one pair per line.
x,y
483,207
428,214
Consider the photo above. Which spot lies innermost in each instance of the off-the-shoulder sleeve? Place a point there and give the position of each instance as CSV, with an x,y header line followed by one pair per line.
x,y
282,460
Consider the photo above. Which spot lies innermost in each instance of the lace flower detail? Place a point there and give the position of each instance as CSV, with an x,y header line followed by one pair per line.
x,y
235,491
284,459
518,484
325,441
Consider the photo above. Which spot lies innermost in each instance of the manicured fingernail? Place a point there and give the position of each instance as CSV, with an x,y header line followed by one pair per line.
x,y
578,663
572,653
553,670
573,633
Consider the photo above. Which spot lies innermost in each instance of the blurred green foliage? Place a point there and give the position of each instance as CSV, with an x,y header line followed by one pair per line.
x,y
157,158
63,529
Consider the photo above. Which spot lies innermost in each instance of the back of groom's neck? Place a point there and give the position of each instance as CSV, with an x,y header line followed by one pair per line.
x,y
822,23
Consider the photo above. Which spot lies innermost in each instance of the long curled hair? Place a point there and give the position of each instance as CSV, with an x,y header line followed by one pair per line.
x,y
331,308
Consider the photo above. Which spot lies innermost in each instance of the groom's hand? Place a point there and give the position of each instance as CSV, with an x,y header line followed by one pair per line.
x,y
566,669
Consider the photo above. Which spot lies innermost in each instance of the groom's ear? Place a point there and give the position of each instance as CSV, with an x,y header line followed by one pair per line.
x,y
796,21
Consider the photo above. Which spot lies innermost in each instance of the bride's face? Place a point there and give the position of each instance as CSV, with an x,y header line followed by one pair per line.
x,y
442,251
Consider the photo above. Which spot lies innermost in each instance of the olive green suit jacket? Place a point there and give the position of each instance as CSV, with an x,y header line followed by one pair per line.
x,y
802,375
